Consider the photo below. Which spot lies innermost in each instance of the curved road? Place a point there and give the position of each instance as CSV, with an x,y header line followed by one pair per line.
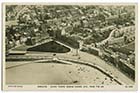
x,y
108,38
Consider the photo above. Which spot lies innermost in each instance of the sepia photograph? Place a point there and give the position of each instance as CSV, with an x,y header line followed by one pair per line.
x,y
69,46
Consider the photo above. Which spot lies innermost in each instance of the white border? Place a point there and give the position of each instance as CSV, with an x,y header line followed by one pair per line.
x,y
110,1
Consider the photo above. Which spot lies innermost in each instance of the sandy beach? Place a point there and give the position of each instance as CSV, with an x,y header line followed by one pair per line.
x,y
55,73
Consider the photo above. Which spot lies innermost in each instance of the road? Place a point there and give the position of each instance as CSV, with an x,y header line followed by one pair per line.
x,y
107,39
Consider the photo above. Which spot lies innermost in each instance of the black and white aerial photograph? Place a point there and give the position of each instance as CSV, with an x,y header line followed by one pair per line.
x,y
70,44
